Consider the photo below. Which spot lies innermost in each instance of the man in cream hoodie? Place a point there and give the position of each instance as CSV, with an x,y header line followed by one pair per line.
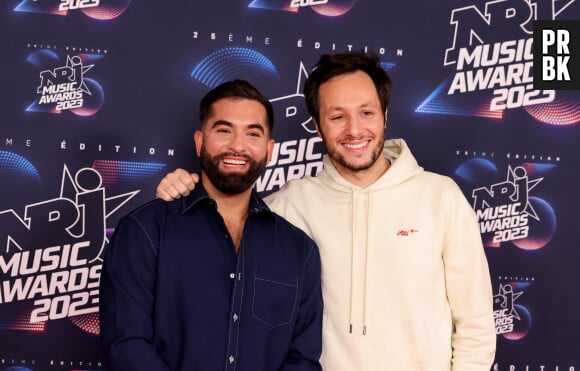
x,y
405,280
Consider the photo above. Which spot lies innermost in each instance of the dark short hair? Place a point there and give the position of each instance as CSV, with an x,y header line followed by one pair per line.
x,y
235,89
332,65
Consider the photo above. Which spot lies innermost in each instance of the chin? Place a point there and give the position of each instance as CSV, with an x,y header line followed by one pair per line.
x,y
234,172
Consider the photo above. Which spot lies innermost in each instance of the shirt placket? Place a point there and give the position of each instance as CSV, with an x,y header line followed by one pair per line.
x,y
236,310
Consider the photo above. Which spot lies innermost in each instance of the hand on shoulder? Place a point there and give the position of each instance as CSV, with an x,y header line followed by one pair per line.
x,y
176,184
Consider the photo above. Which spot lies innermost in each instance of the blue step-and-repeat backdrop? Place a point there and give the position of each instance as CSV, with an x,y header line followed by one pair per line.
x,y
99,101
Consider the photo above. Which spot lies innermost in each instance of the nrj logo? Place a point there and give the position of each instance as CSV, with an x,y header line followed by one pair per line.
x,y
506,211
52,255
102,10
66,87
512,321
491,55
328,8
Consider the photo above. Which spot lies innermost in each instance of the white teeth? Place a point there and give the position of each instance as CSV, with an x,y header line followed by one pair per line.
x,y
356,146
234,162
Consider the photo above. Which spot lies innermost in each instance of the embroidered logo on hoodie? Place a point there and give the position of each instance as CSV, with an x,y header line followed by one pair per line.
x,y
407,233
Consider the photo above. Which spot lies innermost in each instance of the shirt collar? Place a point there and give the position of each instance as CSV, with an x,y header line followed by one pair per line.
x,y
199,197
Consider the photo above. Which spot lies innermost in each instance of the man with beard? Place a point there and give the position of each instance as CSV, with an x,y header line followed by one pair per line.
x,y
214,281
405,279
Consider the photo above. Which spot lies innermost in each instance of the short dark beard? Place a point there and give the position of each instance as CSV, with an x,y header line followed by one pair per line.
x,y
230,183
376,153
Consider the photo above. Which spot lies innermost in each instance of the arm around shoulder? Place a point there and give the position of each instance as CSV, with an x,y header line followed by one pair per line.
x,y
176,184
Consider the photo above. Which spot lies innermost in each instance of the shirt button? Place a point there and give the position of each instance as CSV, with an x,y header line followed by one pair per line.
x,y
235,317
232,275
231,359
226,236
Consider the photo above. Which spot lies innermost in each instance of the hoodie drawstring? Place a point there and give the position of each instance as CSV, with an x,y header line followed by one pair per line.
x,y
366,261
352,242
366,270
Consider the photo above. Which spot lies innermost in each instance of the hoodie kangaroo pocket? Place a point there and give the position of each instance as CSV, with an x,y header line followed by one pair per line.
x,y
274,298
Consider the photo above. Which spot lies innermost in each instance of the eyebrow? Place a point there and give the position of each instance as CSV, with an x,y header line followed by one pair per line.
x,y
229,124
340,108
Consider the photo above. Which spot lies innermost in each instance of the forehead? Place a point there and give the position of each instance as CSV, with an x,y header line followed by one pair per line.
x,y
349,89
238,111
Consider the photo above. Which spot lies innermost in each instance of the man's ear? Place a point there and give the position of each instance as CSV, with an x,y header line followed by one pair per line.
x,y
317,127
270,149
198,139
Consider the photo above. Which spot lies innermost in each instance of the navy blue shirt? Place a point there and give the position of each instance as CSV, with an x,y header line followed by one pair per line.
x,y
175,295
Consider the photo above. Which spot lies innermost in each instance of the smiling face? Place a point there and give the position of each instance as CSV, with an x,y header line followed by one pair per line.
x,y
233,144
352,125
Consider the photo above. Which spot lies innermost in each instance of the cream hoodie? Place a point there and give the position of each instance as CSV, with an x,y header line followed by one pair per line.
x,y
405,280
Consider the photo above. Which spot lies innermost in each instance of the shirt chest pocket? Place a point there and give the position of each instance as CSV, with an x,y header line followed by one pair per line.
x,y
274,298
